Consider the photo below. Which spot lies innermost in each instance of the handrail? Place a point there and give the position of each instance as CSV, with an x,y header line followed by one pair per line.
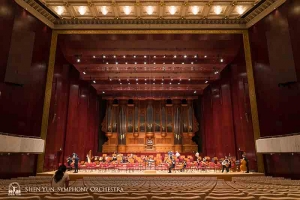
x,y
22,136
277,136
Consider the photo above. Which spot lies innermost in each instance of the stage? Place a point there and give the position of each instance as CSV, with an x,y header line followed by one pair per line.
x,y
219,175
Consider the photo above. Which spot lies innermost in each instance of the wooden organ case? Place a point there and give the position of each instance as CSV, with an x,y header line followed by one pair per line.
x,y
149,126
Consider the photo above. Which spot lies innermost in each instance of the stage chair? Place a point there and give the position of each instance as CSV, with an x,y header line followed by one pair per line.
x,y
176,198
68,197
122,198
21,198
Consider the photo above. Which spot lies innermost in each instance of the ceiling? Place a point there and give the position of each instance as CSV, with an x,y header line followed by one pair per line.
x,y
147,66
150,14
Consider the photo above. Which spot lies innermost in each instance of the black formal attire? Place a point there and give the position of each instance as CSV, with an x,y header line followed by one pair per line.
x,y
247,164
69,161
172,166
76,162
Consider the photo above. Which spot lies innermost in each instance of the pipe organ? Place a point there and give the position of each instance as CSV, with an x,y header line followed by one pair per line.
x,y
149,126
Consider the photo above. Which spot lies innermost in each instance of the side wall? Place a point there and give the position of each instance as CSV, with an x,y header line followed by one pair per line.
x,y
278,107
226,114
22,106
74,115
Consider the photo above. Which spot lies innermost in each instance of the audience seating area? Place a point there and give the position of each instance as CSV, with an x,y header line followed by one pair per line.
x,y
160,188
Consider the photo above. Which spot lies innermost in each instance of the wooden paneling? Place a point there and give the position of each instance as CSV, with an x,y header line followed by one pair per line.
x,y
278,107
22,106
226,117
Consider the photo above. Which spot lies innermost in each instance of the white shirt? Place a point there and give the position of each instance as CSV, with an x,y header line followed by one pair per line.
x,y
62,181
177,154
197,154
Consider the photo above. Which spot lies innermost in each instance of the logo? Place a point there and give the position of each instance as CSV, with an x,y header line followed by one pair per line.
x,y
14,189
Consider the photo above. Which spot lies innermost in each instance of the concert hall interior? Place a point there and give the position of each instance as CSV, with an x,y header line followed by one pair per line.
x,y
201,89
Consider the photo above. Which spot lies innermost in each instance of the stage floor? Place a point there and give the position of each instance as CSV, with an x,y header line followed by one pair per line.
x,y
219,175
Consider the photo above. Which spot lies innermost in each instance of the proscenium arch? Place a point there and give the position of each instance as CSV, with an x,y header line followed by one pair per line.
x,y
50,71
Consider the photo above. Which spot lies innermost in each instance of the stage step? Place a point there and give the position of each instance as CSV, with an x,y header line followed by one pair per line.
x,y
150,171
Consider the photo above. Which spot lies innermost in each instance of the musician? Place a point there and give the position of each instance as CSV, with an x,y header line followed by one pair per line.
x,y
170,153
225,164
198,160
76,162
114,157
69,162
247,162
184,166
197,155
177,154
172,165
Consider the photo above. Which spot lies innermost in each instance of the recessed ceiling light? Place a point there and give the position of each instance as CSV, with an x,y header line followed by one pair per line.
x,y
114,56
145,63
94,56
103,92
218,10
205,56
154,56
59,10
78,60
175,56
128,83
195,56
135,63
178,83
189,79
185,56
145,79
162,83
164,56
82,10
153,83
117,63
195,10
192,63
134,56
145,83
124,56
119,79
162,79
83,72
172,10
216,72
136,79
137,83
182,63
120,83
154,63
145,56
179,79
126,63
149,10
154,79
110,79
164,63
94,81
107,63
170,83
104,10
195,92
127,10
173,63
104,56
171,79
206,81
221,60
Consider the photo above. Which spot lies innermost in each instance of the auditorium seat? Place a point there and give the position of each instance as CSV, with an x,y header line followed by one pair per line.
x,y
177,198
229,198
149,194
122,198
188,194
21,198
278,198
68,198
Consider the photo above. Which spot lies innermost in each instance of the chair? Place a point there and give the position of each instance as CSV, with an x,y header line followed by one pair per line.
x,y
229,198
71,194
188,194
122,198
278,198
21,198
176,198
149,194
69,197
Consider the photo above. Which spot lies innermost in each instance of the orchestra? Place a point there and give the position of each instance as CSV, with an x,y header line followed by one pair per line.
x,y
170,160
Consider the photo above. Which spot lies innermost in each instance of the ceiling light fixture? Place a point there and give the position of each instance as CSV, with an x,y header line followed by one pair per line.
x,y
240,10
124,56
185,56
195,10
82,10
206,81
221,60
117,63
172,10
128,83
145,79
126,63
103,92
107,63
149,10
119,79
178,83
145,63
94,81
60,10
195,92
218,10
189,79
104,56
195,56
104,10
134,56
192,63
94,56
137,79
114,56
175,56
205,56
83,72
78,60
127,10
145,56
110,79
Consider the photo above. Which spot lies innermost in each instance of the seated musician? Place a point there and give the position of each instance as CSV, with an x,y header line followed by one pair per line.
x,y
225,164
69,162
114,157
183,166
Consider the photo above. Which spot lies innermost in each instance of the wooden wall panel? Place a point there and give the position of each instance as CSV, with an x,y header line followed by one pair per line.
x,y
22,106
225,105
278,107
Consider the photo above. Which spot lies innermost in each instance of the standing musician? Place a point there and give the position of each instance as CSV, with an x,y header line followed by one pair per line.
x,y
76,161
225,164
177,154
170,153
247,162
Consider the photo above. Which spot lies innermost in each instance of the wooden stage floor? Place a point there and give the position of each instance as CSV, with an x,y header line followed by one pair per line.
x,y
149,173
